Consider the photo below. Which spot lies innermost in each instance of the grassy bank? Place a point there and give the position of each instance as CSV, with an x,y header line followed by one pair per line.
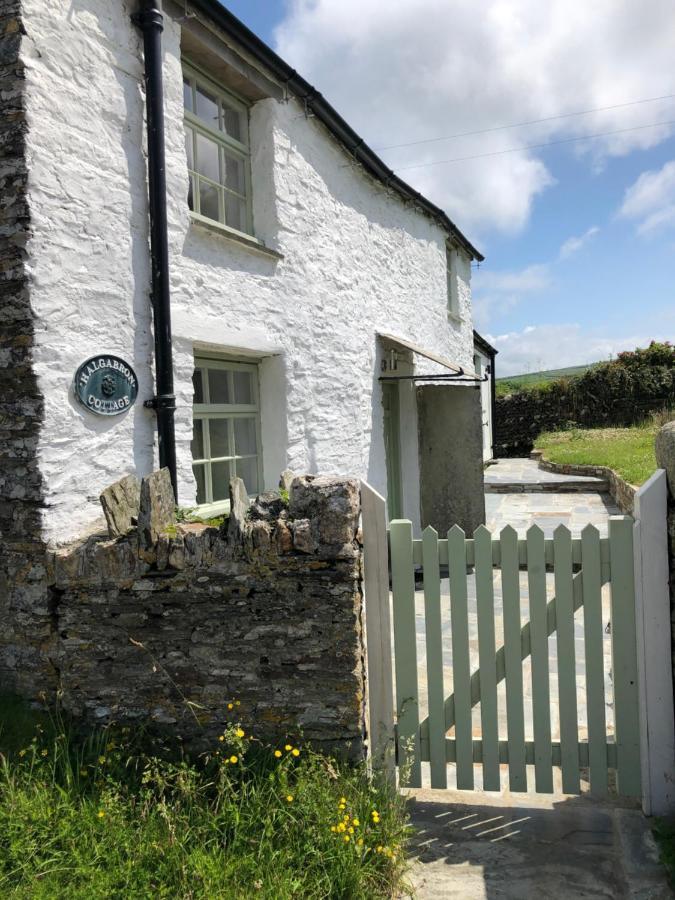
x,y
629,451
118,815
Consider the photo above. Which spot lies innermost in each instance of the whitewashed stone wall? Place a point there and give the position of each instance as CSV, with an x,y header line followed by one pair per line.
x,y
356,260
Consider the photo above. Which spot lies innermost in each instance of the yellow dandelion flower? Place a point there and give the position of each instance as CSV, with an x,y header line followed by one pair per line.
x,y
101,814
343,799
289,798
347,839
374,813
378,849
221,737
237,702
230,705
101,760
341,806
295,751
277,753
356,822
350,830
333,828
342,827
234,759
288,748
360,842
240,733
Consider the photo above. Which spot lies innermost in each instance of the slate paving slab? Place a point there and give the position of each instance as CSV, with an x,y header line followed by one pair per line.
x,y
521,848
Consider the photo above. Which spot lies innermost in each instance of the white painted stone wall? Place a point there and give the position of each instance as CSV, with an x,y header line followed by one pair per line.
x,y
356,260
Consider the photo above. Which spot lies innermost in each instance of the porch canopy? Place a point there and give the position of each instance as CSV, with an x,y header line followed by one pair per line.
x,y
390,341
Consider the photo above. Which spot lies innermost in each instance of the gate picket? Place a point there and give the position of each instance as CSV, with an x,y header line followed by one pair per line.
x,y
541,699
595,670
405,649
461,662
485,604
567,676
515,714
624,657
434,642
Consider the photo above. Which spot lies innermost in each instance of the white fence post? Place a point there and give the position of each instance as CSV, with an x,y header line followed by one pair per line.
x,y
379,678
652,608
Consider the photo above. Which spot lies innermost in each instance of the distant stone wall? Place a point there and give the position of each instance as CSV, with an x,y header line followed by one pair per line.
x,y
612,395
25,627
170,627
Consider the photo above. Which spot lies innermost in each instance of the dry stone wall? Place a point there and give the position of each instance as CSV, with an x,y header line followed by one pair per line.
x,y
24,610
265,609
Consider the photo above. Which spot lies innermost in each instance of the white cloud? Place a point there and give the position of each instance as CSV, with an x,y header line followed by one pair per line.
x,y
497,293
539,347
573,244
650,201
412,70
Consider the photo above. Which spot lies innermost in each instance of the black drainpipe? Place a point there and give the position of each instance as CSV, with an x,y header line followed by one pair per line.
x,y
151,22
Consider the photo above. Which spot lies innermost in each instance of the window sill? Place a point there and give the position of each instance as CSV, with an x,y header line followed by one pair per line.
x,y
212,510
231,234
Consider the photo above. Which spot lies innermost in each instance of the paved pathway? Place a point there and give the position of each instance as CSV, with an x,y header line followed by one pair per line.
x,y
518,475
526,848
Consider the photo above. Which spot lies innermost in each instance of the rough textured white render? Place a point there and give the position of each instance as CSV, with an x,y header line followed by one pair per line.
x,y
356,261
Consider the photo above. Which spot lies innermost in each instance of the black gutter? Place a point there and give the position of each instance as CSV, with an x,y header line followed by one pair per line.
x,y
151,22
323,111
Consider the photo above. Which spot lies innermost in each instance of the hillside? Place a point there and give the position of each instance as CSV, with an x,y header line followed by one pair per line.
x,y
536,379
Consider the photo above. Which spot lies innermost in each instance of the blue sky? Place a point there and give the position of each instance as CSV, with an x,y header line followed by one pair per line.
x,y
607,292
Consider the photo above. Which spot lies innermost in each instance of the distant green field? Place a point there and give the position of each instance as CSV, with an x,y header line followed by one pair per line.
x,y
535,379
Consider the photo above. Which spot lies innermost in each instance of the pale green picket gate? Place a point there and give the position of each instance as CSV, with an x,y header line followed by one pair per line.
x,y
580,567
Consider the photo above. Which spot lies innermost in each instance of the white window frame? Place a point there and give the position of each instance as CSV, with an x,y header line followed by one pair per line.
x,y
451,283
230,411
239,149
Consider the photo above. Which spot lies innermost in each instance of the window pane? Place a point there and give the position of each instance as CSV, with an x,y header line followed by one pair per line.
x,y
245,443
200,475
198,386
187,94
191,193
243,387
232,119
234,173
207,158
219,437
235,212
248,470
207,107
197,445
209,205
189,146
219,386
220,480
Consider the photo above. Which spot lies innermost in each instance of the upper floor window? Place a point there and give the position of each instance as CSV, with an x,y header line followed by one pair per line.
x,y
451,276
218,154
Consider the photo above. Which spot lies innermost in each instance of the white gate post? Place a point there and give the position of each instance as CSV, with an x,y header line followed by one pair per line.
x,y
379,677
655,685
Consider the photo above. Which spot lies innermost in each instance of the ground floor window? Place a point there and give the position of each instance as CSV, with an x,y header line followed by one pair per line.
x,y
226,427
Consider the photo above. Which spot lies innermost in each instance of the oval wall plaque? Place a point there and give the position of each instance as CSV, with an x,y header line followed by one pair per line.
x,y
106,385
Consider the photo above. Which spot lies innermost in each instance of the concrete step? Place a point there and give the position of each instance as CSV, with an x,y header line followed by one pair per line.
x,y
569,485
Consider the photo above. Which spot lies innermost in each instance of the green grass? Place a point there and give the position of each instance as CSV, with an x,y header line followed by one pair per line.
x,y
629,451
113,815
664,833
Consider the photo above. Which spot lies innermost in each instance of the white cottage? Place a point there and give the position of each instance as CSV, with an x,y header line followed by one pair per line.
x,y
312,312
